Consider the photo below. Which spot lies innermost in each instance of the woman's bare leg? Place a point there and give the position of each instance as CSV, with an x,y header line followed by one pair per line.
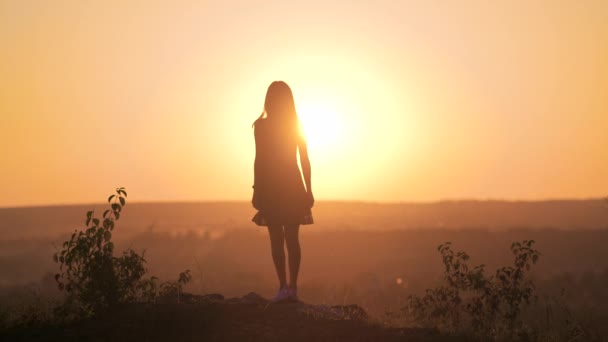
x,y
277,243
293,248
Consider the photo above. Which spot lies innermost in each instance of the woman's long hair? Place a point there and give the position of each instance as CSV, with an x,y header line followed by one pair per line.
x,y
279,105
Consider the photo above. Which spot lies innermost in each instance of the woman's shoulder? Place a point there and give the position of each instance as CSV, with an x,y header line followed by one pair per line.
x,y
260,122
260,126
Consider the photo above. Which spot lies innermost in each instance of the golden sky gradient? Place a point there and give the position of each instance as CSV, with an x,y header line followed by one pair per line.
x,y
401,100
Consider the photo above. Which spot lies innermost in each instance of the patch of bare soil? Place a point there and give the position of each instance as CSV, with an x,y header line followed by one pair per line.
x,y
214,318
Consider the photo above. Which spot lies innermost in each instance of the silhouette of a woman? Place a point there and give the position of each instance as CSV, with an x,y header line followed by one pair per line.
x,y
279,195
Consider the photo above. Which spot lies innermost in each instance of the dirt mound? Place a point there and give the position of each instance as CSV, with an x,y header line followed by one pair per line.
x,y
215,318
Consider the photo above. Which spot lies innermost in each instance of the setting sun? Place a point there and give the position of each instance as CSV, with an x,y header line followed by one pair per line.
x,y
321,125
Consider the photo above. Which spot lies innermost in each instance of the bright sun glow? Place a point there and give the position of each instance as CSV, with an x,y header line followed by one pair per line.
x,y
321,125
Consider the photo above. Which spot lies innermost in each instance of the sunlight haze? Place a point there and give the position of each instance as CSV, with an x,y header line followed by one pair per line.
x,y
400,100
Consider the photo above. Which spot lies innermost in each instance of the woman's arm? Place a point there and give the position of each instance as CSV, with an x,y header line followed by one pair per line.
x,y
305,162
257,172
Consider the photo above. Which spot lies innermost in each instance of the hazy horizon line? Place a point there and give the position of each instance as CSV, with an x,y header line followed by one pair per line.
x,y
404,202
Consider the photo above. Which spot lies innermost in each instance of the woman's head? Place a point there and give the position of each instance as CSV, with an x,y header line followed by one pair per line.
x,y
279,101
279,104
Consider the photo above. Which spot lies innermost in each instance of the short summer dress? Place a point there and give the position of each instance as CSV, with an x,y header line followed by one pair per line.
x,y
279,189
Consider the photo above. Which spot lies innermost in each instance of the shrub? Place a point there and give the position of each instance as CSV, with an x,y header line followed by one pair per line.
x,y
90,273
171,289
471,301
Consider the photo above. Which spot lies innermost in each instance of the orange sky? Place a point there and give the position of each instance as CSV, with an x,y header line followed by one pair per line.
x,y
402,100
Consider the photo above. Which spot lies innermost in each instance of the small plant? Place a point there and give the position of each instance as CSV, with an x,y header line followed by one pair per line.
x,y
88,271
490,306
175,288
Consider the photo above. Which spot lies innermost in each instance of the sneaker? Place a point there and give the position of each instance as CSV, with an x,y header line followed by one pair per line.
x,y
282,295
292,295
